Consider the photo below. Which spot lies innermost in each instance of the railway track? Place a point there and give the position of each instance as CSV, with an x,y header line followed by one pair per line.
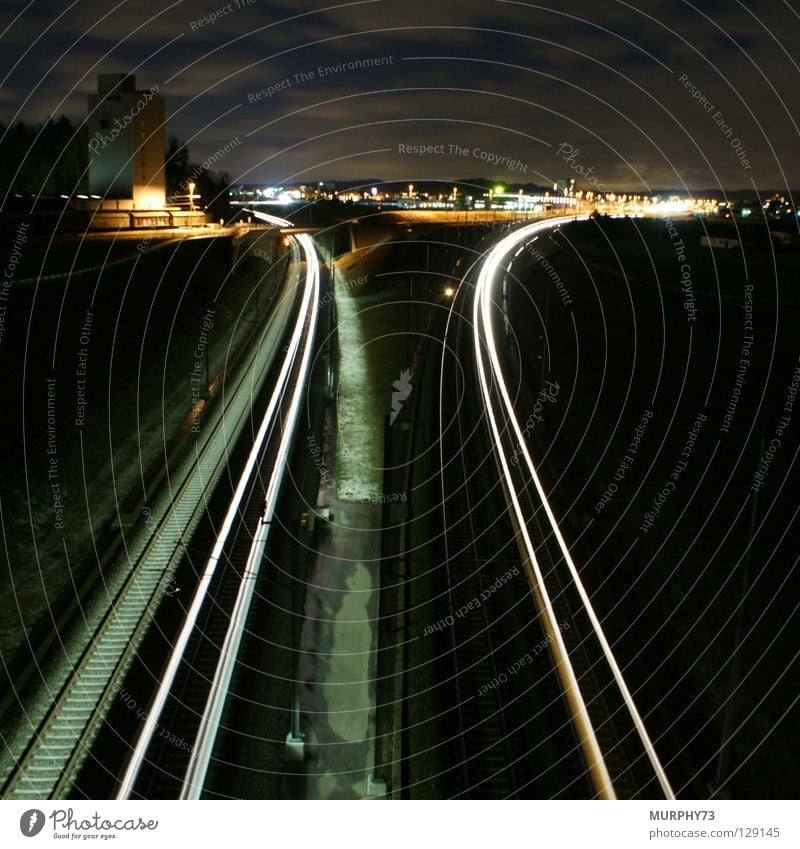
x,y
486,756
620,757
193,685
50,764
514,737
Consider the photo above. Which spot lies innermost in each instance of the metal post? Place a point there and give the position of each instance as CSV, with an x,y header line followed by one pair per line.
x,y
295,739
208,361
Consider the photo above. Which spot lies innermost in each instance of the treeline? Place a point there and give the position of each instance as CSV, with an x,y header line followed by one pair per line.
x,y
211,187
49,159
53,158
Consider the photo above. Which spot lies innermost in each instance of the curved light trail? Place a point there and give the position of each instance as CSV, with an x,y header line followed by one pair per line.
x,y
491,377
304,326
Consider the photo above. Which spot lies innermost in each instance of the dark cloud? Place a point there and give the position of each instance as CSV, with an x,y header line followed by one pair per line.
x,y
515,78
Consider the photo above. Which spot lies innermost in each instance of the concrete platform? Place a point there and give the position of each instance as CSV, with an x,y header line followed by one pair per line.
x,y
337,669
338,642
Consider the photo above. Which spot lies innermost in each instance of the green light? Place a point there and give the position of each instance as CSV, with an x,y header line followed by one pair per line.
x,y
499,189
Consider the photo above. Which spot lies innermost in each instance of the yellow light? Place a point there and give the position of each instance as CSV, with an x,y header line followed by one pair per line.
x,y
449,291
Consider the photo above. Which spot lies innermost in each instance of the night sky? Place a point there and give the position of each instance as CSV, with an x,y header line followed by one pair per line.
x,y
651,94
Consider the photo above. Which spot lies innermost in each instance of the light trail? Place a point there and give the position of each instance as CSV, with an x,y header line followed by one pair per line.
x,y
310,299
270,219
207,734
484,339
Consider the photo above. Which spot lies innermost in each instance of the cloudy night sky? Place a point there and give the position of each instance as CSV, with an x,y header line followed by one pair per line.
x,y
514,79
